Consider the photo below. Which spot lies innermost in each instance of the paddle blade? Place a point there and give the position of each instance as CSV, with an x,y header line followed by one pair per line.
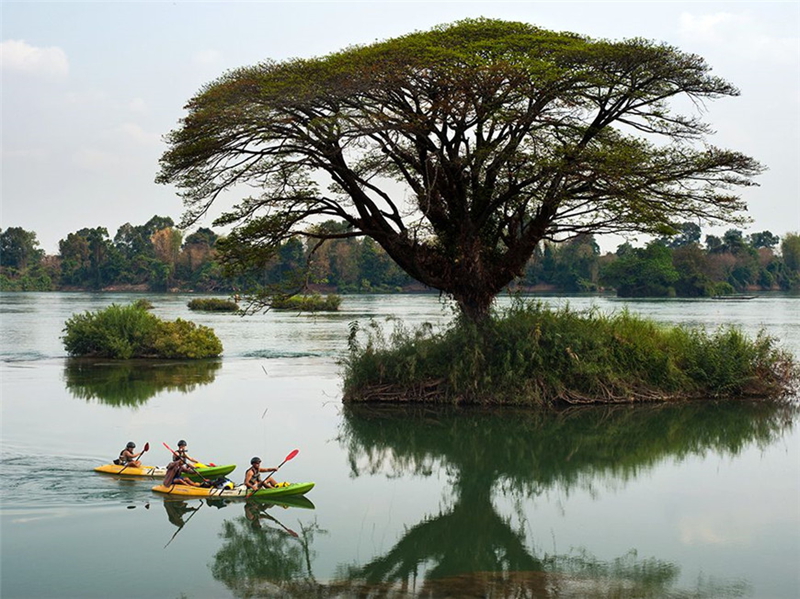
x,y
147,446
291,455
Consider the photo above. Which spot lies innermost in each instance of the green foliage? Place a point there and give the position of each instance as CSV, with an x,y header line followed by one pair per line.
x,y
645,272
34,279
308,303
790,249
534,355
19,248
143,303
125,332
184,339
213,304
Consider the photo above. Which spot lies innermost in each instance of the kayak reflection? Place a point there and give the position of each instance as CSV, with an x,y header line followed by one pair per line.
x,y
176,510
130,383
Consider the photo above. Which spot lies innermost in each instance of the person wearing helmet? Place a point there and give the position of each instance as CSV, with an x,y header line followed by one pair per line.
x,y
252,478
175,472
181,454
127,457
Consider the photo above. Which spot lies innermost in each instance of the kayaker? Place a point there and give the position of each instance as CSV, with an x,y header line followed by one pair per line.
x,y
181,453
127,457
174,475
252,478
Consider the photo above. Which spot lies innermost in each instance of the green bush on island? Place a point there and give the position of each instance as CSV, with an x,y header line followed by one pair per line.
x,y
213,304
125,332
308,303
533,355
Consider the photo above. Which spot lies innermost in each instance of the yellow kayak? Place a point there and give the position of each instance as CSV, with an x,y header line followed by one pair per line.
x,y
207,472
286,490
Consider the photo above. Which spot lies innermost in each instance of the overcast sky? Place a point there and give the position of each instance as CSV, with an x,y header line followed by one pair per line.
x,y
90,88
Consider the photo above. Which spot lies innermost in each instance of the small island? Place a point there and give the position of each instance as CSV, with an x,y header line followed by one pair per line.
x,y
314,302
127,332
213,304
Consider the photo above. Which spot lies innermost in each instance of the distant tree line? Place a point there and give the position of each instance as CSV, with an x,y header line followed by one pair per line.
x,y
679,265
156,256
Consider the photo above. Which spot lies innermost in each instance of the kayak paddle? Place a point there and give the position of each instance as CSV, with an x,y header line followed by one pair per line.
x,y
146,448
291,456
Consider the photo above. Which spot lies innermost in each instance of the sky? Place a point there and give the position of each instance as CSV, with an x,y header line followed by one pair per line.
x,y
89,89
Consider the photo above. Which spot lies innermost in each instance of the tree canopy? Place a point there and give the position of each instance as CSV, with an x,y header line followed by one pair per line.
x,y
460,149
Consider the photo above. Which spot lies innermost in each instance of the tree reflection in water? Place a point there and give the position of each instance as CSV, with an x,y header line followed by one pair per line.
x,y
468,549
131,383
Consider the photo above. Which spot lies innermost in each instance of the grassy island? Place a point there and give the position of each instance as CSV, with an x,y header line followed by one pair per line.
x,y
125,332
308,303
213,304
533,355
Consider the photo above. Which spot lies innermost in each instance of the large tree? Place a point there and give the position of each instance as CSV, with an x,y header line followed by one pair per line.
x,y
459,149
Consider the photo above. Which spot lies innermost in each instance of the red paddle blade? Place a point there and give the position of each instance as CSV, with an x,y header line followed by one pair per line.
x,y
147,446
291,455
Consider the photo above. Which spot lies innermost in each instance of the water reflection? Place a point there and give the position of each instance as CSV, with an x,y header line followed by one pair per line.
x,y
260,554
469,548
130,383
531,451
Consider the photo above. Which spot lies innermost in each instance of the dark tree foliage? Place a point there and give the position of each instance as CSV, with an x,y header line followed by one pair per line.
x,y
460,149
19,248
763,239
642,272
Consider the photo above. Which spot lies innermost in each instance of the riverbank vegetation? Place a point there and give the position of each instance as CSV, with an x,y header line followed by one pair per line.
x,y
533,355
125,332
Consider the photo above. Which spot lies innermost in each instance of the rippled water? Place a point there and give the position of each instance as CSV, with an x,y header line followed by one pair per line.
x,y
672,501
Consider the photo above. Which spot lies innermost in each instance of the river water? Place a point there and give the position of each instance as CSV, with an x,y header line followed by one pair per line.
x,y
694,500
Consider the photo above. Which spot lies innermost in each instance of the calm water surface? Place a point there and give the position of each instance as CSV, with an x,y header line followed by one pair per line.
x,y
698,500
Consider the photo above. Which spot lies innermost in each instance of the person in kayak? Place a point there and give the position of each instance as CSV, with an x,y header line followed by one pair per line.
x,y
252,478
127,457
175,471
182,453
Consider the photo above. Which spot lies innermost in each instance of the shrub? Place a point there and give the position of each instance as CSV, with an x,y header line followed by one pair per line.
x,y
308,303
125,332
213,305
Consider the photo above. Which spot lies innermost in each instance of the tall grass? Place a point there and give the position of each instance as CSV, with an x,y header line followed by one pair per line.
x,y
535,355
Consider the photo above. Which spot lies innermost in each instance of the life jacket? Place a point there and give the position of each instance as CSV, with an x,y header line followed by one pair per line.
x,y
252,477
